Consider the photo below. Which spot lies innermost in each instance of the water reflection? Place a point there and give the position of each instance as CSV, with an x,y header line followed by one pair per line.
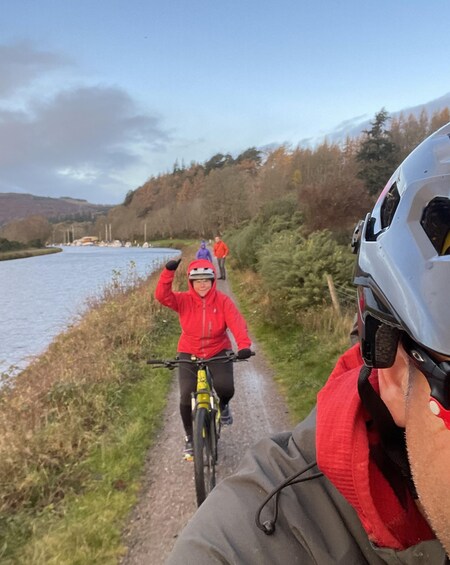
x,y
41,296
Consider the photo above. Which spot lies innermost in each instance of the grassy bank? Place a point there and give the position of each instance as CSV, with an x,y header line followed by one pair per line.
x,y
75,429
24,253
303,355
175,243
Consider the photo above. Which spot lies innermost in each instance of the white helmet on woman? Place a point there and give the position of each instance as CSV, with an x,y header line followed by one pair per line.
x,y
201,273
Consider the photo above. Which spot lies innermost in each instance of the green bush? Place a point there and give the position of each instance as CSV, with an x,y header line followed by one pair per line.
x,y
6,245
247,241
282,212
294,269
245,244
35,243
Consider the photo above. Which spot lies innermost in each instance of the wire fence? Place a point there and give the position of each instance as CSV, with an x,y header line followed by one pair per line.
x,y
346,296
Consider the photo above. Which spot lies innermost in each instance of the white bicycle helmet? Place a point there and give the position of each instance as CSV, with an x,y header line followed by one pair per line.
x,y
403,268
201,273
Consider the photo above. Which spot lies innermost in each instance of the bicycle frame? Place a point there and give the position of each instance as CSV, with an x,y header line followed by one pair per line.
x,y
202,396
205,396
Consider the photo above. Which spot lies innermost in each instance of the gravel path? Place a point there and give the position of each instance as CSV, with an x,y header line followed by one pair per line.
x,y
167,499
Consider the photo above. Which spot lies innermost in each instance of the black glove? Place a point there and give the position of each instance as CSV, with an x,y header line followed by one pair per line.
x,y
173,265
244,353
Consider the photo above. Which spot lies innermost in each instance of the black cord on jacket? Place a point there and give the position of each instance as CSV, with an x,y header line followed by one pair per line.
x,y
268,526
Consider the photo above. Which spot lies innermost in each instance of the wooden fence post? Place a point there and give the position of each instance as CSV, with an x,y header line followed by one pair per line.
x,y
334,298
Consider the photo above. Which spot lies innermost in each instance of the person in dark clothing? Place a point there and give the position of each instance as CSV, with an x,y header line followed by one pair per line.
x,y
365,478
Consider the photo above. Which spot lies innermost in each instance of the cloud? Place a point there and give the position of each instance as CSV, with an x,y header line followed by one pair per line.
x,y
21,64
81,142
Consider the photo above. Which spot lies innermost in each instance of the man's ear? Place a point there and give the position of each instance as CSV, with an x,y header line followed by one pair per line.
x,y
393,383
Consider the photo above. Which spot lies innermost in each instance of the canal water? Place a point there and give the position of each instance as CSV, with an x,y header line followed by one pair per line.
x,y
41,296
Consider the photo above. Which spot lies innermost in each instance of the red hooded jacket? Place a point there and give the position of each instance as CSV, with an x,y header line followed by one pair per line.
x,y
204,321
343,443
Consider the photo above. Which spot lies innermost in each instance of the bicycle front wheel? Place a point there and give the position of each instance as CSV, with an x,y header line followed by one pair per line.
x,y
204,454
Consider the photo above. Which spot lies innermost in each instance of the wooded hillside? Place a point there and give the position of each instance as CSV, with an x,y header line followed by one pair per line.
x,y
330,186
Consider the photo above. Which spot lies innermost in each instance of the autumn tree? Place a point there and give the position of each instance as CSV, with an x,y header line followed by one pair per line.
x,y
275,175
408,132
34,229
226,198
334,198
128,198
439,119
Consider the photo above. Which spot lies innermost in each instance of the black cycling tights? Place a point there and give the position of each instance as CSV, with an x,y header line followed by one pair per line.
x,y
222,374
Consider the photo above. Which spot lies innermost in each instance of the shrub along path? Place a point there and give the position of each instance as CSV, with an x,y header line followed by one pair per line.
x,y
167,500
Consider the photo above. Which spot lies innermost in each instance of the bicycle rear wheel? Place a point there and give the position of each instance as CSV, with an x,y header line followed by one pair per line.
x,y
204,454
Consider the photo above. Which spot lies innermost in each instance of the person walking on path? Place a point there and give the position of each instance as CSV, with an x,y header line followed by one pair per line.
x,y
365,478
205,315
221,252
204,252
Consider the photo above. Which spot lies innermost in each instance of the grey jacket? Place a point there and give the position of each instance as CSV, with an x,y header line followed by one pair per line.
x,y
315,523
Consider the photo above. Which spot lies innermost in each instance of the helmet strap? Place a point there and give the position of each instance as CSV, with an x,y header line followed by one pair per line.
x,y
438,377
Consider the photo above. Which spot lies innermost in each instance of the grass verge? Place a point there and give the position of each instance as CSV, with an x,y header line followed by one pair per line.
x,y
174,243
301,356
75,428
25,253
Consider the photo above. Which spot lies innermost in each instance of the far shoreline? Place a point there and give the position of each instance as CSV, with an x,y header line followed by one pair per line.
x,y
25,253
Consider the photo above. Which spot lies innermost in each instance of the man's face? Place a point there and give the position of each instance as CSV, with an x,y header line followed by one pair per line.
x,y
428,442
217,238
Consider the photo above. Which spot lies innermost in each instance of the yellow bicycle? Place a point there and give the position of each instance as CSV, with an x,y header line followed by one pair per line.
x,y
206,420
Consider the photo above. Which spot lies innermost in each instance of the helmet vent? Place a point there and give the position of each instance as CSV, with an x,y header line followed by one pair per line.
x,y
436,223
389,206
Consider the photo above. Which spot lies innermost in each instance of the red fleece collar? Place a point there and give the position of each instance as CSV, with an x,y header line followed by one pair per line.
x,y
343,456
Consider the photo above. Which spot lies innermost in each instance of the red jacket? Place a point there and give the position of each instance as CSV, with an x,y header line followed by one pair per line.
x,y
343,444
220,249
204,321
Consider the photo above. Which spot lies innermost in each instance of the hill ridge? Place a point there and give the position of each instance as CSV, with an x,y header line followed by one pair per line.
x,y
17,206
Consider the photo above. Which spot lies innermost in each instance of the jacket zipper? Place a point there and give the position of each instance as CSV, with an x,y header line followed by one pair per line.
x,y
203,326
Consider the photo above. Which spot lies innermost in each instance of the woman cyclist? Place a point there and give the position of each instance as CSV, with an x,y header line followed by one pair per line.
x,y
205,314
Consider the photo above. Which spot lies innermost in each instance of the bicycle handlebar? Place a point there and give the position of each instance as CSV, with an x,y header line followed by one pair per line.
x,y
170,363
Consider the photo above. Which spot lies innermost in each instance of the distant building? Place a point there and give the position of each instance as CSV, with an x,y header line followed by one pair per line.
x,y
86,240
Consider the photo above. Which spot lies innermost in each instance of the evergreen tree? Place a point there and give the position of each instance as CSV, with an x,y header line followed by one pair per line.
x,y
250,154
218,161
378,155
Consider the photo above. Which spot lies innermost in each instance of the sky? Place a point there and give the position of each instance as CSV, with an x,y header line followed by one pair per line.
x,y
97,97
